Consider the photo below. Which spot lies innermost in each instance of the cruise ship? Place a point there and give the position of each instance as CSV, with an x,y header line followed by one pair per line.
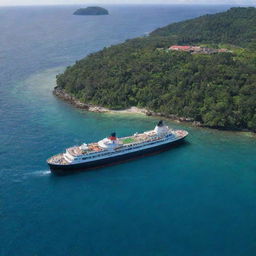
x,y
112,150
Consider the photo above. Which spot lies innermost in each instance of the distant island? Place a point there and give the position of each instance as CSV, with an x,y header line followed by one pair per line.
x,y
93,10
200,70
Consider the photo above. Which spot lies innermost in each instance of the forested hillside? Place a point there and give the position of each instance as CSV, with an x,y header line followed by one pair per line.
x,y
236,26
218,90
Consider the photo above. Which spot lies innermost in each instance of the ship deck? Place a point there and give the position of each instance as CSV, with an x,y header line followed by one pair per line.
x,y
124,141
58,159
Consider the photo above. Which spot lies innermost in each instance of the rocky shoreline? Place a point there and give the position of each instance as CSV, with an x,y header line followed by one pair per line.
x,y
135,110
75,102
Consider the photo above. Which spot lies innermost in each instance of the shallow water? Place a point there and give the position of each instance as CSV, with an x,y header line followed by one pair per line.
x,y
196,199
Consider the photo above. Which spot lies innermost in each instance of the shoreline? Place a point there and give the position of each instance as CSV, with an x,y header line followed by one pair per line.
x,y
134,110
93,108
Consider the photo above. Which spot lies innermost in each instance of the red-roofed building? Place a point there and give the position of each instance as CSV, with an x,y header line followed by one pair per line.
x,y
196,49
180,48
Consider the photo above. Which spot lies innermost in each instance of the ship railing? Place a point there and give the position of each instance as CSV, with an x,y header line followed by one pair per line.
x,y
57,159
138,145
156,139
125,148
120,150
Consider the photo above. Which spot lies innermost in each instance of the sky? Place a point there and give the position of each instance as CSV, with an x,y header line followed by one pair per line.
x,y
90,2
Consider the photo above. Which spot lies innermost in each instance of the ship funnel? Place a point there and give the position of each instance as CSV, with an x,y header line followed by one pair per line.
x,y
161,129
112,136
160,123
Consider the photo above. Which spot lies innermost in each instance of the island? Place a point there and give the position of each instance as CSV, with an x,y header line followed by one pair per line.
x,y
200,70
92,10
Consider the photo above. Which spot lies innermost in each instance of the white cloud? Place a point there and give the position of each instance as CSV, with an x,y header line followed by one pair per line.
x,y
86,2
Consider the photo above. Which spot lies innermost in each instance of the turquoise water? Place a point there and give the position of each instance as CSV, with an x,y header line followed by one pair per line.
x,y
196,199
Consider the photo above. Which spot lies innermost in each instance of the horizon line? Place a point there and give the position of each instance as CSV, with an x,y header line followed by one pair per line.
x,y
129,4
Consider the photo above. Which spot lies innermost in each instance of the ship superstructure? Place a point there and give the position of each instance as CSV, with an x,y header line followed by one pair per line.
x,y
112,149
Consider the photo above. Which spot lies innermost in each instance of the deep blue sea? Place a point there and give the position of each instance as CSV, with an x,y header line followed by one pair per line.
x,y
198,199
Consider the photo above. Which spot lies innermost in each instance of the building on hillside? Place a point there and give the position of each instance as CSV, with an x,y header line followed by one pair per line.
x,y
223,50
196,49
185,48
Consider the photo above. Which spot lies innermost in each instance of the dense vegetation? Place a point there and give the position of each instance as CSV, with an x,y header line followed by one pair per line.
x,y
236,26
219,90
93,10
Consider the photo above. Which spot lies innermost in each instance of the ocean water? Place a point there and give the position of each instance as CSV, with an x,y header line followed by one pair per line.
x,y
196,199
